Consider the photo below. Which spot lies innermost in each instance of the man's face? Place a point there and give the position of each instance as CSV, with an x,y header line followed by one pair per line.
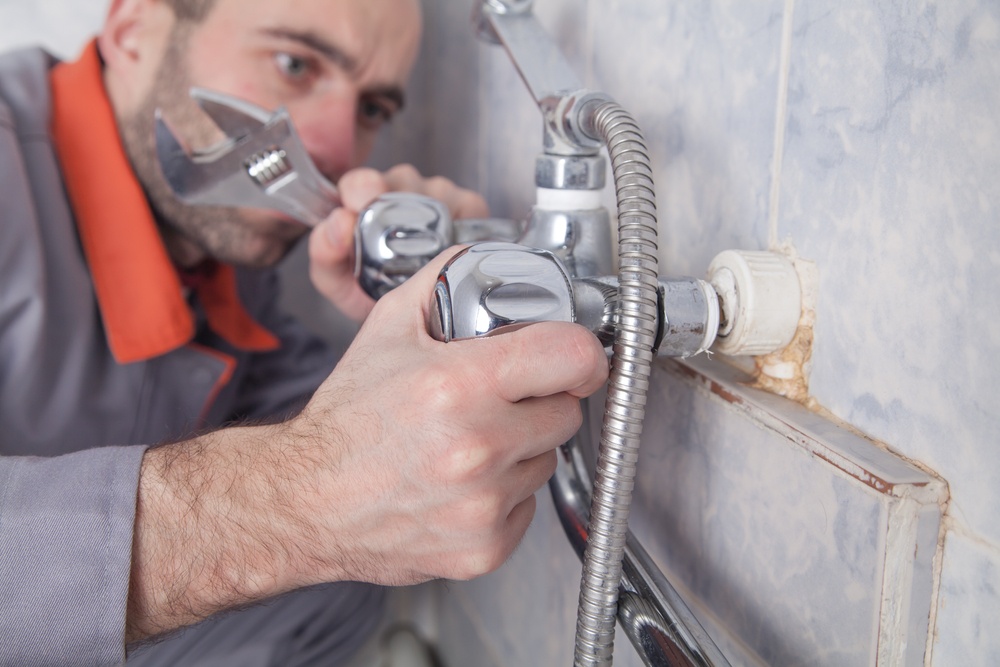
x,y
338,66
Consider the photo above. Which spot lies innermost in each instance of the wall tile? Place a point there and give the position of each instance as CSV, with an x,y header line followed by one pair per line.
x,y
969,608
788,551
783,549
701,79
889,184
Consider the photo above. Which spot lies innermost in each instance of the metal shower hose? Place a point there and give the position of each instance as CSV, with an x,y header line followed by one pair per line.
x,y
637,322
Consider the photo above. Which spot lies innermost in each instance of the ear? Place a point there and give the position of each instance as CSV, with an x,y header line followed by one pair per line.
x,y
131,43
118,41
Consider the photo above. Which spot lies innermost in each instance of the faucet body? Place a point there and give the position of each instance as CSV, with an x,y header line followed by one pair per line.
x,y
492,287
562,269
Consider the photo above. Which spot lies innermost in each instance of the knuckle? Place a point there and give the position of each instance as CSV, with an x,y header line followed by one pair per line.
x,y
405,171
467,460
484,559
567,413
570,407
475,204
362,177
551,461
558,418
439,185
444,392
583,346
440,181
584,353
495,557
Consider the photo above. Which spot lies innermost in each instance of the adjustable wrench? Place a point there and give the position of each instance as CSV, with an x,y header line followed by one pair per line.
x,y
261,163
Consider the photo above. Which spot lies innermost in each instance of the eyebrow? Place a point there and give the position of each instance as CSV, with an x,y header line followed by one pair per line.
x,y
338,56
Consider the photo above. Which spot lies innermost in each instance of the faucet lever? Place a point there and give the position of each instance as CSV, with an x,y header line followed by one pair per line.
x,y
491,287
399,233
396,235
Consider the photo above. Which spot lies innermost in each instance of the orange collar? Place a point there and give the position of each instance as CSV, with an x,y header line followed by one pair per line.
x,y
140,294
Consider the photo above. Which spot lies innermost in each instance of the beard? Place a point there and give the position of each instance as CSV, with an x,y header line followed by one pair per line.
x,y
236,236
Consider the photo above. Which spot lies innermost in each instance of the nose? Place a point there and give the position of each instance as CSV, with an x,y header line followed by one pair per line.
x,y
327,127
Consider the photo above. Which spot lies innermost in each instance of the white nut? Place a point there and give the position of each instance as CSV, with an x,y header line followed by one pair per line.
x,y
760,301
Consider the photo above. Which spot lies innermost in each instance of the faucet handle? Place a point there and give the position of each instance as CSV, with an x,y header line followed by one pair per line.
x,y
491,287
397,235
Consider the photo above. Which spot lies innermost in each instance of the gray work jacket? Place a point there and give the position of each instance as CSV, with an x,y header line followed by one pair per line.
x,y
74,422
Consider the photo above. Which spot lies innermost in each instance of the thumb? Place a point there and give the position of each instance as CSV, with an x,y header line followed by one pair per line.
x,y
419,289
331,243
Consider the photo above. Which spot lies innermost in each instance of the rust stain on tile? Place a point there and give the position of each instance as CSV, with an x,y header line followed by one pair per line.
x,y
713,386
862,475
786,372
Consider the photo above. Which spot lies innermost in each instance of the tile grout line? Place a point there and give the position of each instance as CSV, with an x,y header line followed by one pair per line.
x,y
780,124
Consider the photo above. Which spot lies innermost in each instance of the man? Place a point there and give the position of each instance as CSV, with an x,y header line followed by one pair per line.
x,y
124,325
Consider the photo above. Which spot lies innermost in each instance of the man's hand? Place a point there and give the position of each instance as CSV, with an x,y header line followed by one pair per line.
x,y
427,455
415,460
331,244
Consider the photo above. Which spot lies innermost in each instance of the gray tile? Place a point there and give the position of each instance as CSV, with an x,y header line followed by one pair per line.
x,y
701,79
889,184
787,545
969,610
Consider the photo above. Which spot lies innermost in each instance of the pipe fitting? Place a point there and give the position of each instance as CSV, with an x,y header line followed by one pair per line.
x,y
570,172
760,301
570,122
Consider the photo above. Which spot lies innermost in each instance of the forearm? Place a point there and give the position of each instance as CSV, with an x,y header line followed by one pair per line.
x,y
210,530
414,460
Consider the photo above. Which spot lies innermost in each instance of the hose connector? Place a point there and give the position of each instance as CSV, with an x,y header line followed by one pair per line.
x,y
760,301
571,122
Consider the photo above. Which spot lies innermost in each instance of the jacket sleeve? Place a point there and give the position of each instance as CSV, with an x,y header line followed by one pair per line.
x,y
65,556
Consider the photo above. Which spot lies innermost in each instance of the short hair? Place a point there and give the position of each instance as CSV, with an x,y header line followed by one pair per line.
x,y
191,10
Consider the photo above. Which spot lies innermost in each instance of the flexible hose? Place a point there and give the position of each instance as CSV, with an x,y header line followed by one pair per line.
x,y
629,382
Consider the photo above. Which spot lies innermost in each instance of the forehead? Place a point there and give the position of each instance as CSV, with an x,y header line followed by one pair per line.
x,y
379,37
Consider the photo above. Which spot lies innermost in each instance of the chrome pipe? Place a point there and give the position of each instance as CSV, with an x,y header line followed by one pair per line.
x,y
666,633
553,84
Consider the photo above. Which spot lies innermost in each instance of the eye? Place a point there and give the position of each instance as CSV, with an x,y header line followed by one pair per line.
x,y
293,67
374,113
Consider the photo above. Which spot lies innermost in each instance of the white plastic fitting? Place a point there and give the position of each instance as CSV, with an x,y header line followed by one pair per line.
x,y
760,301
549,199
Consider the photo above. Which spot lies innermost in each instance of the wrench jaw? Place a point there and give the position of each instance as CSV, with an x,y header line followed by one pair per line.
x,y
211,177
237,118
261,164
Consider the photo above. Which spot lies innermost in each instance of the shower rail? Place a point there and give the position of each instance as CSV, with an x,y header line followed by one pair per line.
x,y
654,617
